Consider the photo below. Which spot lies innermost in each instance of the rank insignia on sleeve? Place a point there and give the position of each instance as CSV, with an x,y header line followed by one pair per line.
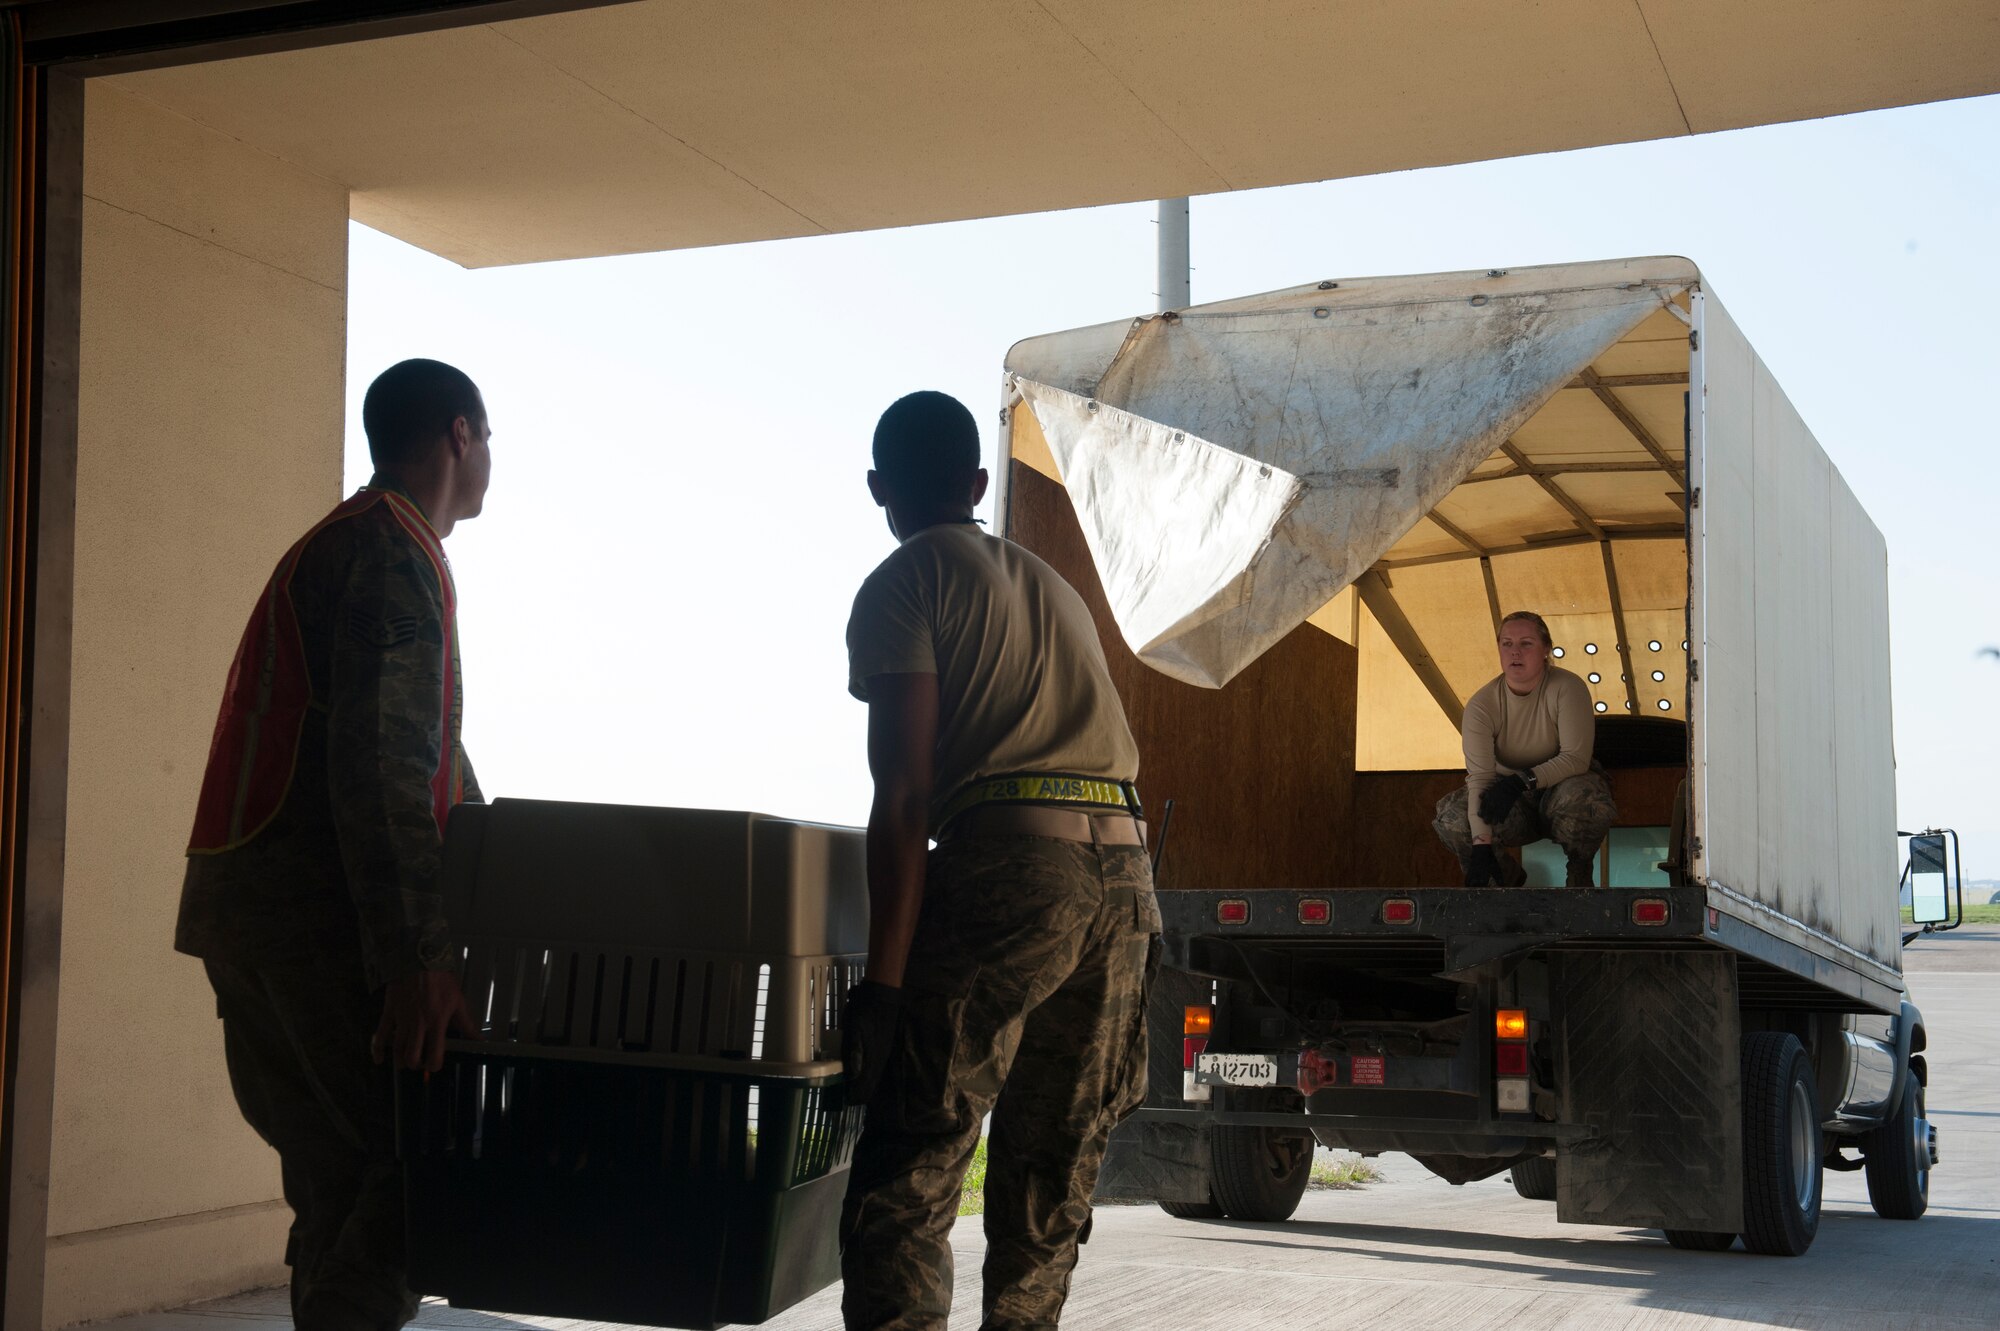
x,y
381,631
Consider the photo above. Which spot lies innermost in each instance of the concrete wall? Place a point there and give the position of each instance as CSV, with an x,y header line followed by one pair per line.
x,y
214,334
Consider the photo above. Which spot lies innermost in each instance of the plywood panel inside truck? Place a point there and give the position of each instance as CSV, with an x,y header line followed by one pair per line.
x,y
1260,771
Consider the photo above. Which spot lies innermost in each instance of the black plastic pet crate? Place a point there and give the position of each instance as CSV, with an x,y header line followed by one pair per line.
x,y
653,1128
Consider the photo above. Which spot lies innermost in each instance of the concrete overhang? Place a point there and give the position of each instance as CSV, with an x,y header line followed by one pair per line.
x,y
666,124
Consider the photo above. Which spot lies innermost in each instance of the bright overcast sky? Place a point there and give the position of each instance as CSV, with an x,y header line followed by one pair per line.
x,y
652,604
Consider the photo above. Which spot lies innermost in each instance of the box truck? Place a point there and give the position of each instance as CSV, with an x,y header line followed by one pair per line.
x,y
1299,518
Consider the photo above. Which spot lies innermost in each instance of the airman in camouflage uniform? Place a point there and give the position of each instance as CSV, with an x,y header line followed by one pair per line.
x,y
312,891
1024,999
1007,968
1527,737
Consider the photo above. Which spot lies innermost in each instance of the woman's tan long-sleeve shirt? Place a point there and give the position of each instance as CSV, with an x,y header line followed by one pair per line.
x,y
1549,732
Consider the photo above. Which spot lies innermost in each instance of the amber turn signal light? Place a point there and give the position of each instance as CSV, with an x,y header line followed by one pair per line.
x,y
1510,1024
1197,1020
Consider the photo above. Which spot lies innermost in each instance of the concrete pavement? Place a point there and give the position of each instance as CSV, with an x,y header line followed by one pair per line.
x,y
1412,1252
1974,948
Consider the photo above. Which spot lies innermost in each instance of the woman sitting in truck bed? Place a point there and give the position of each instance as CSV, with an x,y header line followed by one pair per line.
x,y
1528,769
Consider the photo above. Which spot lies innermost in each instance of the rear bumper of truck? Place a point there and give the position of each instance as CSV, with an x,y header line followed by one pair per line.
x,y
1449,930
1617,1013
1428,931
1283,937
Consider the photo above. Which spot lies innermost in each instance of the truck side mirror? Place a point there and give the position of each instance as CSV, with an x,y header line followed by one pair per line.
x,y
1930,895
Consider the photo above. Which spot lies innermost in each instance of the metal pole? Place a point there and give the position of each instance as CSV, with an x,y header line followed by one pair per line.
x,y
1174,255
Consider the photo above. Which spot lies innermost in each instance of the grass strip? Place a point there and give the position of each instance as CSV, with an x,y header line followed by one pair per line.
x,y
972,1201
1344,1172
1980,913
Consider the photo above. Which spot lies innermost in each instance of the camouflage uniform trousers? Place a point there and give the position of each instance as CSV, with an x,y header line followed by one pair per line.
x,y
297,1043
1575,813
1025,997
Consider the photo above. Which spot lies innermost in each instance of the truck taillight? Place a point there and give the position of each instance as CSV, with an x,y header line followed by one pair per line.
x,y
1511,1093
1233,911
1315,910
1650,910
1196,1021
1399,910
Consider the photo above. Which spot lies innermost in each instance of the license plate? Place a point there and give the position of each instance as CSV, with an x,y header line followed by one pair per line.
x,y
1235,1070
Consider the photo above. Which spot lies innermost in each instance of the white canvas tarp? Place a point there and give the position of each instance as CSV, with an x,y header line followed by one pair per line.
x,y
1234,466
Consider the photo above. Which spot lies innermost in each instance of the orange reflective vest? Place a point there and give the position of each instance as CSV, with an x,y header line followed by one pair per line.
x,y
255,750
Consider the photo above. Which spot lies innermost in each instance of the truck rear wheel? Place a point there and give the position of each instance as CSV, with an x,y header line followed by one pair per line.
x,y
1781,1146
1535,1178
1699,1240
1898,1158
1207,1210
1258,1173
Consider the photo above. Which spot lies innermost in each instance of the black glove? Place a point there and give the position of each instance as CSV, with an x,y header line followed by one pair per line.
x,y
1498,799
868,1037
1482,867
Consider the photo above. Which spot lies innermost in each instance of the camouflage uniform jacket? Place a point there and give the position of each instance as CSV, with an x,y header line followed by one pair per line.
x,y
336,757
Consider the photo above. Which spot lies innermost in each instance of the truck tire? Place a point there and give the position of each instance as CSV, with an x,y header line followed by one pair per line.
x,y
1257,1173
1897,1155
1535,1178
1700,1240
1782,1147
1207,1210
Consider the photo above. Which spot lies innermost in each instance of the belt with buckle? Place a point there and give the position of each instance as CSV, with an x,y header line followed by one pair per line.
x,y
1044,789
1106,827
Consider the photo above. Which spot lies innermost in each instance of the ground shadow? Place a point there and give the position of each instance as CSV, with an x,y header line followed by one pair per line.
x,y
1858,1264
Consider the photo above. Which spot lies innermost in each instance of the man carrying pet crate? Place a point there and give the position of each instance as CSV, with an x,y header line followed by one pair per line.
x,y
1006,968
311,892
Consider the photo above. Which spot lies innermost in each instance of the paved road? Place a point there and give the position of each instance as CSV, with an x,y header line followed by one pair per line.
x,y
1974,948
1414,1253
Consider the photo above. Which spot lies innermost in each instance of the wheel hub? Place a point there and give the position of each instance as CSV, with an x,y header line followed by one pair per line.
x,y
1924,1133
1284,1153
1923,1143
1804,1146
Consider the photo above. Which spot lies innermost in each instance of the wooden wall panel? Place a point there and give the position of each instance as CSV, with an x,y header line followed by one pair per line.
x,y
1393,845
1261,772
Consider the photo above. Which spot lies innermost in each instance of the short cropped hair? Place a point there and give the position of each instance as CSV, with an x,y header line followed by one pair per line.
x,y
1541,625
412,404
927,448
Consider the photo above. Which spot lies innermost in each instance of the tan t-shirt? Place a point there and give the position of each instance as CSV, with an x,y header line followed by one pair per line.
x,y
1022,684
1549,731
